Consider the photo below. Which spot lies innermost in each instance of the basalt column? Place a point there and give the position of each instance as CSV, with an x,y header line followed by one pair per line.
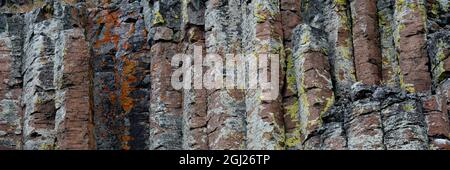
x,y
56,106
334,17
263,41
438,45
313,79
226,107
72,83
410,26
11,40
290,15
104,42
386,25
133,76
194,99
165,102
367,51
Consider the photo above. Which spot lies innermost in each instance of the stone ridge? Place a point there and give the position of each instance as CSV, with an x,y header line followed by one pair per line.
x,y
96,74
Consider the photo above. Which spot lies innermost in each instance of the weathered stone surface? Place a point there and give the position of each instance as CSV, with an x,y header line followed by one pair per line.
x,y
226,108
439,52
390,62
364,123
290,18
73,119
353,74
194,100
121,66
366,41
313,78
436,116
404,123
334,18
410,26
265,126
11,114
437,109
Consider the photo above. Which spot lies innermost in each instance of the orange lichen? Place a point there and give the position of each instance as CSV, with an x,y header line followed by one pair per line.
x,y
110,21
126,46
129,68
126,138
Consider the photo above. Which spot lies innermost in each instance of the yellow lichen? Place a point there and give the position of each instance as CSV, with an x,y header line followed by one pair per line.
x,y
328,105
158,19
45,146
408,107
291,79
294,140
259,17
292,111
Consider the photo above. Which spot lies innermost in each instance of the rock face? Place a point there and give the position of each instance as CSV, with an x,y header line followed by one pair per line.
x,y
353,74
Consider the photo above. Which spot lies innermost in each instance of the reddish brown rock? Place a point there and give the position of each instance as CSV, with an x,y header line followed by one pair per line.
x,y
226,108
73,84
367,51
10,98
97,75
165,102
413,59
436,109
313,79
292,5
290,18
195,103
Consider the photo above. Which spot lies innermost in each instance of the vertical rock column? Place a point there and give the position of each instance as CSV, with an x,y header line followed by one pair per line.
x,y
436,117
121,66
11,114
194,100
72,98
133,73
367,51
438,51
226,107
333,16
341,41
263,36
105,41
315,88
410,26
165,102
437,106
56,79
390,64
290,15
38,94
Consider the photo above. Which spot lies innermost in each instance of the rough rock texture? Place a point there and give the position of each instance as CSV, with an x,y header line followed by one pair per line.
x,y
226,126
96,74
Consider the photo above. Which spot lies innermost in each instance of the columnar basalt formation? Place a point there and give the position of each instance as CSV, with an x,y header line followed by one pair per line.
x,y
353,74
290,18
11,40
165,102
437,106
263,36
73,120
194,100
334,17
313,81
410,26
366,41
226,128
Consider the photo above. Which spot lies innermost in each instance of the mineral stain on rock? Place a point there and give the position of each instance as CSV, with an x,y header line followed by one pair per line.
x,y
354,74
